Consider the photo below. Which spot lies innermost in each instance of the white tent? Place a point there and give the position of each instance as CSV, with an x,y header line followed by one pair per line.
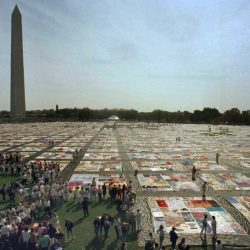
x,y
113,118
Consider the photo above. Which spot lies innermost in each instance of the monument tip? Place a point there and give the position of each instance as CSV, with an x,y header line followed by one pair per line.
x,y
16,10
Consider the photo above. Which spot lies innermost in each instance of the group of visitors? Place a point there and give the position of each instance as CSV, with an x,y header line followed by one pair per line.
x,y
31,222
182,245
126,220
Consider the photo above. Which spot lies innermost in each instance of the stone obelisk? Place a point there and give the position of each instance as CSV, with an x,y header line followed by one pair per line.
x,y
17,106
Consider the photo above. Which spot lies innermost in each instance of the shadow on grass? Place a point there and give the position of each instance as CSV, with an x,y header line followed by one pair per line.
x,y
73,208
79,221
67,243
95,244
113,245
96,204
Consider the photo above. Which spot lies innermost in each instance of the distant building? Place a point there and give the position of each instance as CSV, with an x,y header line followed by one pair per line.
x,y
57,108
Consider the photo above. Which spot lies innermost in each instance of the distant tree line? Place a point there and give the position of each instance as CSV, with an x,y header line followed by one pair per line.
x,y
207,115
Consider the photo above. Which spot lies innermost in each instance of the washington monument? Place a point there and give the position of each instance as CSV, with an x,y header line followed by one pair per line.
x,y
17,106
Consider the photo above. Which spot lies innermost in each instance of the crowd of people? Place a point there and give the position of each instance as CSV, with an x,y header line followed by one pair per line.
x,y
31,221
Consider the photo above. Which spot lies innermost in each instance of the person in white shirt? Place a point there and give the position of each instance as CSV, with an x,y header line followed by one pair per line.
x,y
25,237
22,215
17,220
2,221
5,230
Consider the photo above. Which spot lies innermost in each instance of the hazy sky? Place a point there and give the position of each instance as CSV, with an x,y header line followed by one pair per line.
x,y
141,54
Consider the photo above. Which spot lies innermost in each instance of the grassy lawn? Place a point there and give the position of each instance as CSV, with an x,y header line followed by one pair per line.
x,y
8,178
84,229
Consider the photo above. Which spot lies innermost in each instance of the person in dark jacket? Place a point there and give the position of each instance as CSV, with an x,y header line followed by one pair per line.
x,y
173,237
85,206
52,232
97,225
104,190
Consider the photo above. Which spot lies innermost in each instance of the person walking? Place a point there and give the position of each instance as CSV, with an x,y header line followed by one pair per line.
x,y
161,233
214,227
173,237
204,226
85,206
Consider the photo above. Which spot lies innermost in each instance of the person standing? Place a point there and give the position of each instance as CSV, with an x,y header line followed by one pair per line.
x,y
106,226
102,223
124,228
25,237
214,227
99,192
44,242
110,190
117,224
133,221
217,157
69,227
218,245
56,245
204,189
104,190
97,225
3,191
52,232
173,237
194,173
32,240
204,226
85,206
138,220
161,233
